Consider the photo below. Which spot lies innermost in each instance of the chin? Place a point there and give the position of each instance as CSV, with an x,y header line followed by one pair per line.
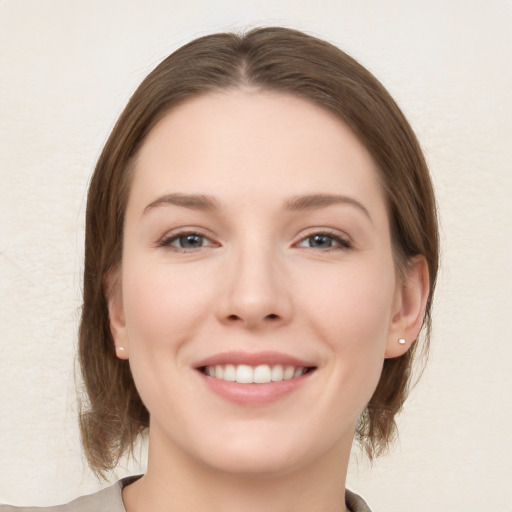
x,y
257,463
273,454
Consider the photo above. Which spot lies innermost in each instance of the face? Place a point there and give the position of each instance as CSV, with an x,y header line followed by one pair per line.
x,y
258,291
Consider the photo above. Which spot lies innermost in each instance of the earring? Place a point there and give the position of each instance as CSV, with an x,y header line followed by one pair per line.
x,y
120,348
401,341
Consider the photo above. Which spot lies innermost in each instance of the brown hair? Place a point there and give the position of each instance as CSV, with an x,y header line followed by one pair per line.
x,y
275,59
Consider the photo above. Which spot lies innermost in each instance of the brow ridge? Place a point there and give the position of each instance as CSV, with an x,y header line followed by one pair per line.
x,y
306,202
316,201
193,201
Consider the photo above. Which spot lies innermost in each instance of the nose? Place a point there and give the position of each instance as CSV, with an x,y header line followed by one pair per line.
x,y
255,290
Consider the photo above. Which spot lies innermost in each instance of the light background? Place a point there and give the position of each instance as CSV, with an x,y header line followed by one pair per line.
x,y
66,70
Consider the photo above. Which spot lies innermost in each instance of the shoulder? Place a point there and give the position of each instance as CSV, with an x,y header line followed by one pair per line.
x,y
106,500
110,500
355,503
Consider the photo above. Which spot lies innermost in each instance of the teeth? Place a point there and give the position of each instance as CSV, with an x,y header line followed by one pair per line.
x,y
229,373
277,373
219,372
244,374
289,373
261,374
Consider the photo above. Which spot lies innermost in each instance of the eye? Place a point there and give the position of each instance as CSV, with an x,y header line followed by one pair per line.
x,y
186,242
326,241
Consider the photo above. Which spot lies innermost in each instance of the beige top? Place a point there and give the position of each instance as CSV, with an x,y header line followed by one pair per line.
x,y
110,500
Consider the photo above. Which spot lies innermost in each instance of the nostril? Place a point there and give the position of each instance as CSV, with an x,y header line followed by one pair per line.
x,y
249,319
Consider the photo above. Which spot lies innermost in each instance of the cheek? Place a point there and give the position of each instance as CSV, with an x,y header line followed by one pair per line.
x,y
353,306
162,305
352,318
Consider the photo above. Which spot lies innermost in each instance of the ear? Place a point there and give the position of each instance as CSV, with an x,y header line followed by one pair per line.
x,y
408,308
114,296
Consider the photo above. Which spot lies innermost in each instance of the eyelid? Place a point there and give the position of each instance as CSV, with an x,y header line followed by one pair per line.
x,y
345,241
170,236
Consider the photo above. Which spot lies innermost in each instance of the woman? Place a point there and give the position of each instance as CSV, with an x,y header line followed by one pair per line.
x,y
261,254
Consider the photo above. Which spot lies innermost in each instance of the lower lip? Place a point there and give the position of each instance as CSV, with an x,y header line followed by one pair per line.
x,y
254,394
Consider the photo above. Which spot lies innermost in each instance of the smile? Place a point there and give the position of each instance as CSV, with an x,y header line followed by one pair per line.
x,y
254,379
260,374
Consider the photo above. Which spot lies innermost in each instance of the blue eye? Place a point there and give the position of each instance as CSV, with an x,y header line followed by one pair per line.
x,y
186,242
191,241
324,241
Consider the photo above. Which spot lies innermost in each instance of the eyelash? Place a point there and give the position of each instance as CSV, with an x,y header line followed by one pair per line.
x,y
341,243
168,240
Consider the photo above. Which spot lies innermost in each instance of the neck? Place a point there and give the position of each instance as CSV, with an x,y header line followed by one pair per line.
x,y
180,483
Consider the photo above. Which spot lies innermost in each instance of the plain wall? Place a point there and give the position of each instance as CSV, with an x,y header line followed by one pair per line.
x,y
66,70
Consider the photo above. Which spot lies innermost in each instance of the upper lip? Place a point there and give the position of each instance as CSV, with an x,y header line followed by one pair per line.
x,y
254,359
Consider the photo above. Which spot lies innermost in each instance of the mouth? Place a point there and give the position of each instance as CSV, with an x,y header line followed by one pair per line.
x,y
259,374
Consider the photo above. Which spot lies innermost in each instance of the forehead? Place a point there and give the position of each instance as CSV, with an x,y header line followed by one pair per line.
x,y
255,144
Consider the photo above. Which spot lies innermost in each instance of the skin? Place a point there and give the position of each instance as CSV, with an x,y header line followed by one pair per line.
x,y
256,280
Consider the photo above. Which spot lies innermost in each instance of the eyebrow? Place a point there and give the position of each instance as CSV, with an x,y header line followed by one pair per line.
x,y
192,201
316,201
203,202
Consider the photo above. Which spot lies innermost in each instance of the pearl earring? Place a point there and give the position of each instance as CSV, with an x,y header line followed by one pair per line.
x,y
401,341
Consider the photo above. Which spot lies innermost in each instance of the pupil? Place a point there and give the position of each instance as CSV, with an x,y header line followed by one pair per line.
x,y
321,241
190,241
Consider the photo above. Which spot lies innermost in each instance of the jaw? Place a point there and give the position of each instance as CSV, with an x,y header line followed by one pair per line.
x,y
270,482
